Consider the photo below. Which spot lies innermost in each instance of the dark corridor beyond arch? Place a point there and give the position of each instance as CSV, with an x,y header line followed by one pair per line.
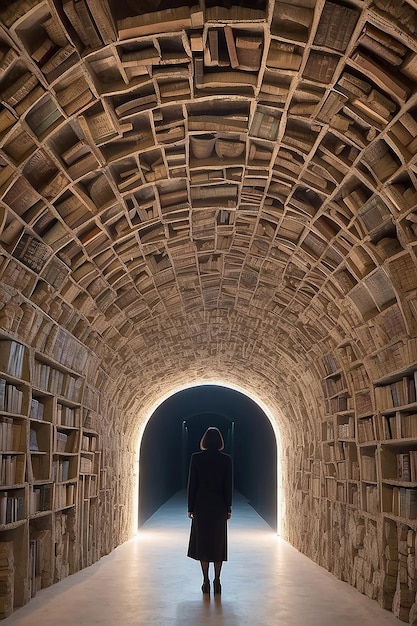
x,y
173,433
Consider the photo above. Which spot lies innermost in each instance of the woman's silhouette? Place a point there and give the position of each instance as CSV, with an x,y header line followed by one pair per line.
x,y
210,487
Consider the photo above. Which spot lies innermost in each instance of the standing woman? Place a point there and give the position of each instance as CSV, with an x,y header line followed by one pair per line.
x,y
210,487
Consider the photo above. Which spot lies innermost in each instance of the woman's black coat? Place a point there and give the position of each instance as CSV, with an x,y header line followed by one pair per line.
x,y
210,487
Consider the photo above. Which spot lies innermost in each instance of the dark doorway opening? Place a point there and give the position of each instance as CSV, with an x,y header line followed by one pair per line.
x,y
174,431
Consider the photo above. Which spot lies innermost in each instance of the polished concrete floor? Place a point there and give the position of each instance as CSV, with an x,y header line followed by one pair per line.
x,y
149,581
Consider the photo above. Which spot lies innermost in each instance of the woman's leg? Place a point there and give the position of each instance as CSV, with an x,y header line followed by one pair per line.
x,y
217,571
206,583
205,569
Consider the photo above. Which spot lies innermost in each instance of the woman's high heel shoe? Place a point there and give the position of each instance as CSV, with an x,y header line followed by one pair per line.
x,y
217,586
205,587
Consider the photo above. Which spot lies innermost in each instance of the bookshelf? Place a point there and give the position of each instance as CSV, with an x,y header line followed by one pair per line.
x,y
368,460
50,467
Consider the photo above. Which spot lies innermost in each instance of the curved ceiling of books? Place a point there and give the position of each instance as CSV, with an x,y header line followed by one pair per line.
x,y
206,192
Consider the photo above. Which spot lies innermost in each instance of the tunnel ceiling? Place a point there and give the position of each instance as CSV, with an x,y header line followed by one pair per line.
x,y
186,184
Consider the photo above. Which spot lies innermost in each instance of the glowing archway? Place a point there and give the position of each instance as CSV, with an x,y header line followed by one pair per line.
x,y
204,383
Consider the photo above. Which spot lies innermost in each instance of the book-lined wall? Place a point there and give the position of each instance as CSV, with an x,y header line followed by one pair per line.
x,y
52,488
362,478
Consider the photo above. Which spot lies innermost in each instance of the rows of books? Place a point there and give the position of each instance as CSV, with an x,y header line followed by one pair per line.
x,y
40,439
12,506
56,381
12,469
10,434
369,462
40,498
64,495
11,397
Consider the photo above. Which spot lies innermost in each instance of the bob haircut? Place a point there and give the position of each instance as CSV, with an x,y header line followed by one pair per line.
x,y
212,439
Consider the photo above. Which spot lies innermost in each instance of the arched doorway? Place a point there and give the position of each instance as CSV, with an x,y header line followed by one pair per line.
x,y
174,430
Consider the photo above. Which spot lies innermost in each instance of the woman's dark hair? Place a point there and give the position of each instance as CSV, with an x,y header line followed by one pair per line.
x,y
212,439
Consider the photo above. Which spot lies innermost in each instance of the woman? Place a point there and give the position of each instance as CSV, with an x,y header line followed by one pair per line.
x,y
210,488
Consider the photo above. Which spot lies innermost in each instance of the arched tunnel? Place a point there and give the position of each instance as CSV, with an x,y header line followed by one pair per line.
x,y
196,193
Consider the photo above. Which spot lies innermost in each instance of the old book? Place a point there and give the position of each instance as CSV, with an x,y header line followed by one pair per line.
x,y
146,56
212,58
102,15
174,89
283,56
229,79
21,196
88,23
196,41
44,116
10,232
72,15
32,252
19,145
410,123
75,152
381,104
264,125
39,168
377,48
385,39
136,105
33,96
320,66
12,12
286,61
217,122
400,135
74,96
56,235
43,51
231,46
11,359
6,172
381,77
333,104
90,234
19,88
72,91
368,113
7,57
106,69
7,119
49,120
168,20
58,58
84,97
409,67
99,125
249,51
197,16
55,31
198,71
354,85
336,26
